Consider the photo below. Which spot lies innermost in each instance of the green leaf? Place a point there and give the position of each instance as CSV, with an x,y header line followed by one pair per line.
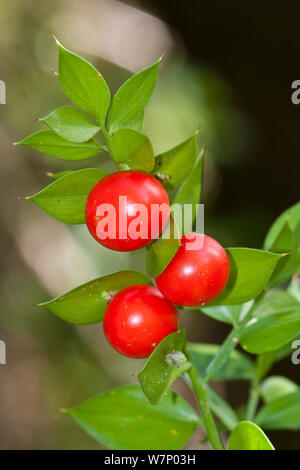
x,y
275,301
222,356
175,165
222,409
283,413
286,350
65,198
190,192
288,265
226,313
264,364
284,242
86,304
133,148
275,387
157,376
250,271
294,287
123,419
137,123
58,175
230,343
83,84
248,436
49,142
130,100
270,333
161,252
237,367
71,124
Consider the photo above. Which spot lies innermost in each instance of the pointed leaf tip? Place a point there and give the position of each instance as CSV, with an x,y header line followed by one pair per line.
x,y
86,304
71,124
65,198
166,363
56,40
137,424
52,70
130,100
80,82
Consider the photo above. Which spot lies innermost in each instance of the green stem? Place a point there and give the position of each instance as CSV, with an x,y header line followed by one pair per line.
x,y
252,402
229,344
264,363
107,138
201,395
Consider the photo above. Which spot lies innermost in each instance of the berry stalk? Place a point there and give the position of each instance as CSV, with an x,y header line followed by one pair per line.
x,y
201,395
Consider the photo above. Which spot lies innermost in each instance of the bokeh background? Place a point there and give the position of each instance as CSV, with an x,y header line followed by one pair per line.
x,y
228,68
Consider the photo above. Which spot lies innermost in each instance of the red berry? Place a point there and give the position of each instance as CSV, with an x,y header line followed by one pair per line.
x,y
197,274
132,223
137,319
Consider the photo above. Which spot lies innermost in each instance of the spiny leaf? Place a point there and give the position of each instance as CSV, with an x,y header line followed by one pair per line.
x,y
49,142
83,84
190,193
71,124
271,332
175,165
275,301
157,375
284,241
225,313
87,303
132,148
65,198
250,271
124,419
289,265
131,99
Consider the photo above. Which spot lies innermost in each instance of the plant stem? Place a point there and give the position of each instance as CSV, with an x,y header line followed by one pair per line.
x,y
229,344
252,402
201,395
264,363
107,138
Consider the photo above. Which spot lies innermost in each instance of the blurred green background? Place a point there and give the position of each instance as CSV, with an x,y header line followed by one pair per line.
x,y
225,70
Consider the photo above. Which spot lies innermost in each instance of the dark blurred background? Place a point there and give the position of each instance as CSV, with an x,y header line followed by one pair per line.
x,y
228,69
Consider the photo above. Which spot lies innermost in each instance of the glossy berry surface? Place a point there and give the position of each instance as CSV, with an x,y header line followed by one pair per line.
x,y
197,275
137,319
132,223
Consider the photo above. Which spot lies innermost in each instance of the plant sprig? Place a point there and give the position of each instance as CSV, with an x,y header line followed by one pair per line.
x,y
264,321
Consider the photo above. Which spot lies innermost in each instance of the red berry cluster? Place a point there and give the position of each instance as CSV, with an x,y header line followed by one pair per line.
x,y
139,317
